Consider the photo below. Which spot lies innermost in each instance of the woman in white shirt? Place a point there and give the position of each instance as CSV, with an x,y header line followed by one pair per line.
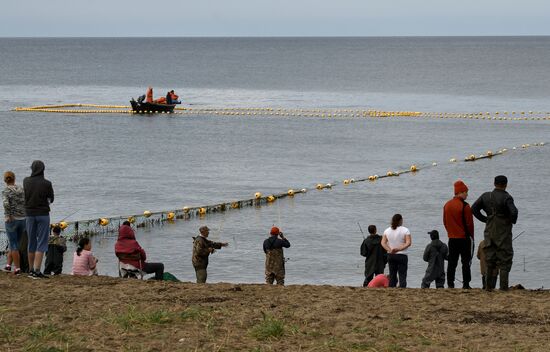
x,y
396,240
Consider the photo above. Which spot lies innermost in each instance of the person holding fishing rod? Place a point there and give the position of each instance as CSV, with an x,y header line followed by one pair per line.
x,y
375,255
274,257
501,215
202,248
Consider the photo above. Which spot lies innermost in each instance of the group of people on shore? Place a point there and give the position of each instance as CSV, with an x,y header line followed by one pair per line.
x,y
496,209
27,209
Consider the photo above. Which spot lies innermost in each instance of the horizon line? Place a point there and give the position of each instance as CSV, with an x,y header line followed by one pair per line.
x,y
279,36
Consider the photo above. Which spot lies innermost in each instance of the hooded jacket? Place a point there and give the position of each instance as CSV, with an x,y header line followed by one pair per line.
x,y
38,191
127,244
435,254
376,255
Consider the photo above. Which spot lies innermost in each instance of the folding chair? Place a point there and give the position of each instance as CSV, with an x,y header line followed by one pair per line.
x,y
127,270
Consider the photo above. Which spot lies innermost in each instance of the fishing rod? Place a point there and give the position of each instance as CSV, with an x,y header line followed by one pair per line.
x,y
360,229
521,233
68,216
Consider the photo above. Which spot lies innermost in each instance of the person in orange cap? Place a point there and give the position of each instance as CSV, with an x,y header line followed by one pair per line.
x,y
459,223
274,256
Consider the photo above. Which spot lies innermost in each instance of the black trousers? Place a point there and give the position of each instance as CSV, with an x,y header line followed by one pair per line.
x,y
464,248
398,264
157,268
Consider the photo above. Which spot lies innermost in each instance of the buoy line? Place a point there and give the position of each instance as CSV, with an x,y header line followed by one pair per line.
x,y
286,112
106,225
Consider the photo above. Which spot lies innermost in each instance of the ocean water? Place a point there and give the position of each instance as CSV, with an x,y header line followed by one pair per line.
x,y
108,165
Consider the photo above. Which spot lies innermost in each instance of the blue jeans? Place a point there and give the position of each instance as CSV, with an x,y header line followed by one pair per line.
x,y
14,230
38,231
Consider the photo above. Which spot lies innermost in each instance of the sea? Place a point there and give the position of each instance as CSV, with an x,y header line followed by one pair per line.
x,y
104,165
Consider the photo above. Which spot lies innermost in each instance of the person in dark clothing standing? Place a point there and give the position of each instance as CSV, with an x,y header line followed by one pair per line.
x,y
57,245
38,197
435,254
501,215
375,255
202,248
459,223
274,257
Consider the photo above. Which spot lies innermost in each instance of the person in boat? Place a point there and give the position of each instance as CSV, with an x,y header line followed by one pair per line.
x,y
174,97
149,95
169,98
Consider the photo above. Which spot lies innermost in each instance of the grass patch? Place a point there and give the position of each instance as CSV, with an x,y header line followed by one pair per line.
x,y
268,328
192,313
134,318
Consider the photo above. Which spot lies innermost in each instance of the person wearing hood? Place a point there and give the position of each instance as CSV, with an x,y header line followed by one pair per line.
x,y
375,255
274,256
127,244
435,254
38,197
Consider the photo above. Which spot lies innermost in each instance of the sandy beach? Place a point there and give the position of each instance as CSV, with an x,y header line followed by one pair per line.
x,y
68,313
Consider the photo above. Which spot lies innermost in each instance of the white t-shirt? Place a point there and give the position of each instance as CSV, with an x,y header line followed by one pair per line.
x,y
396,238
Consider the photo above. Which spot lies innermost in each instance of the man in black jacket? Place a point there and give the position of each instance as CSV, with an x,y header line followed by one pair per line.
x,y
38,197
501,215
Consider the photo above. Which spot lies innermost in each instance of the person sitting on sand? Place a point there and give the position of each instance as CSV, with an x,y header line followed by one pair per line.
x,y
274,257
435,254
57,245
84,262
379,281
127,245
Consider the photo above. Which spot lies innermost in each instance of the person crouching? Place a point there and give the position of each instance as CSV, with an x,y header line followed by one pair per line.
x,y
274,256
435,254
57,245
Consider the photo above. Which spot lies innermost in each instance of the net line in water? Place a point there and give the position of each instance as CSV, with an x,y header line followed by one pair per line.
x,y
108,225
298,112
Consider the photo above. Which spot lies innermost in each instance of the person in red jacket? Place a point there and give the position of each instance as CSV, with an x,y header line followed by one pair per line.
x,y
127,244
459,223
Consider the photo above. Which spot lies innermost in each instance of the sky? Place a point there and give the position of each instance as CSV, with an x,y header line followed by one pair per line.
x,y
140,18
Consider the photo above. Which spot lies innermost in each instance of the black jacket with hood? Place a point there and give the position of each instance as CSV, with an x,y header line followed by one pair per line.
x,y
38,191
376,255
435,254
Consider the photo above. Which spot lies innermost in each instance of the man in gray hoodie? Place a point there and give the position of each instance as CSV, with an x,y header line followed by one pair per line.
x,y
38,197
435,254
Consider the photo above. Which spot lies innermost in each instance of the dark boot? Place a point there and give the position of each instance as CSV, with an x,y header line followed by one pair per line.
x,y
483,282
503,280
491,281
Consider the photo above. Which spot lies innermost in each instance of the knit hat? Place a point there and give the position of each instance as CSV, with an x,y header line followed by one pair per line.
x,y
460,187
275,231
